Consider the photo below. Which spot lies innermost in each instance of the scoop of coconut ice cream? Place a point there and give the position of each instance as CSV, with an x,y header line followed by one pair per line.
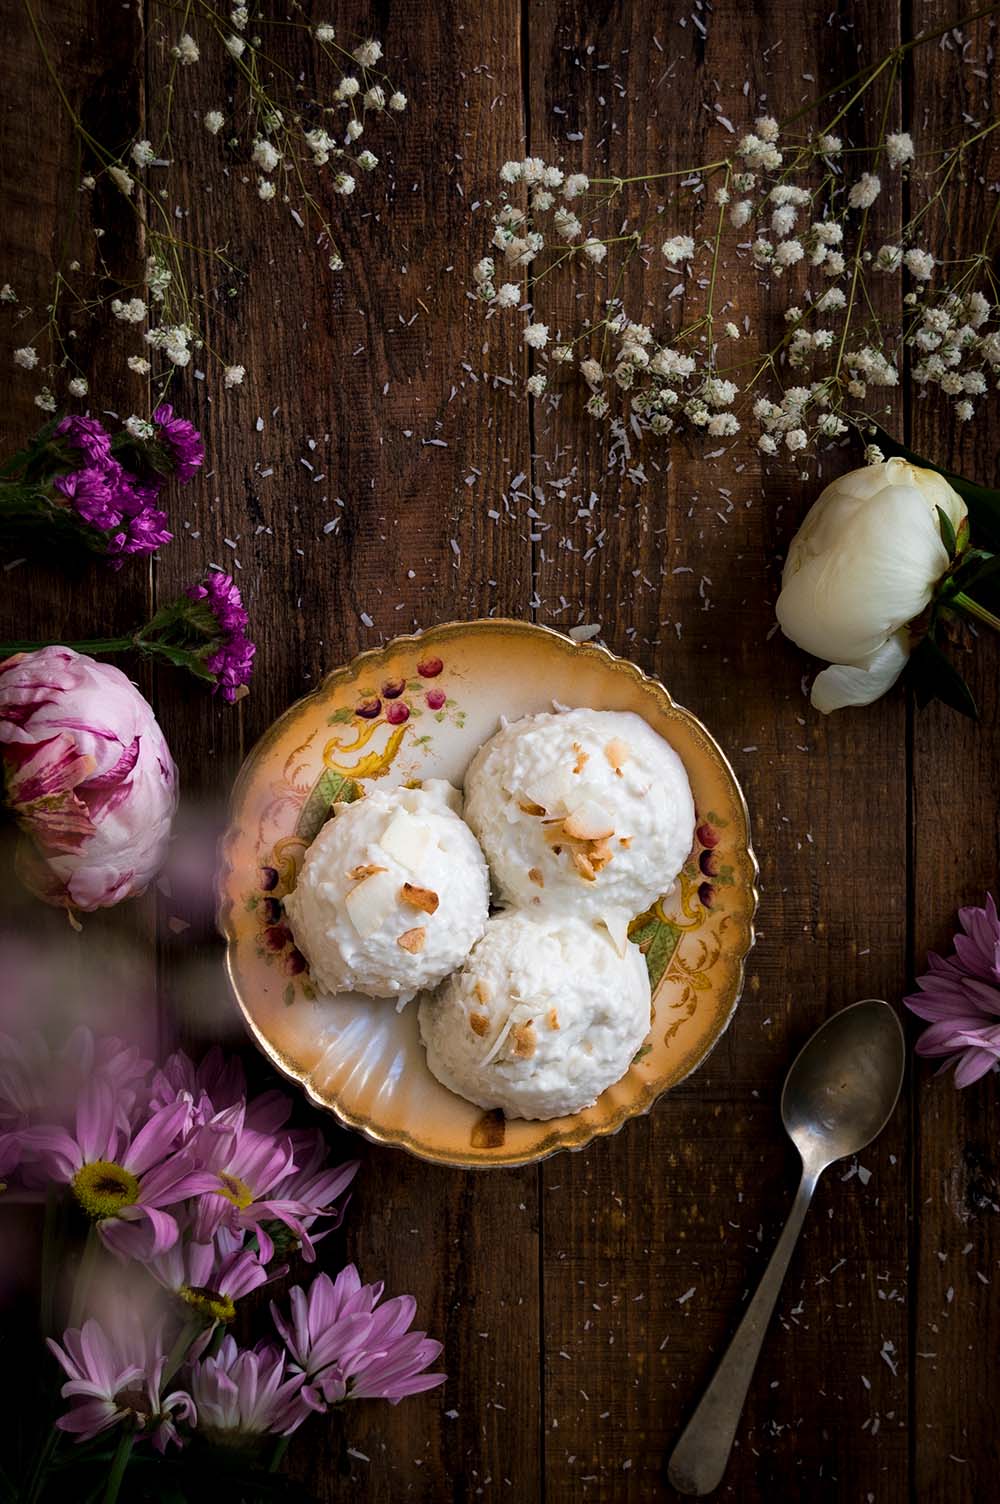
x,y
392,895
588,810
544,1015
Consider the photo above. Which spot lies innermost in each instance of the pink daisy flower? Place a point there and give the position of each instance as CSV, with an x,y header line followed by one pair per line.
x,y
123,1180
115,1378
960,996
208,1278
245,1393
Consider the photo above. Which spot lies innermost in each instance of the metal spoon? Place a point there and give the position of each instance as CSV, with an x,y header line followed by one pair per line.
x,y
838,1095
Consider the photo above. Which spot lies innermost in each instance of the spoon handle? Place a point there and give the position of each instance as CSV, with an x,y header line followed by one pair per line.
x,y
699,1459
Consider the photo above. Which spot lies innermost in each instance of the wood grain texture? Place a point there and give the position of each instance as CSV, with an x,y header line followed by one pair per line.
x,y
956,859
580,1304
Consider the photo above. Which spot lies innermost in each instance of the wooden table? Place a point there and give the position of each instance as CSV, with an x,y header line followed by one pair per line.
x,y
581,1303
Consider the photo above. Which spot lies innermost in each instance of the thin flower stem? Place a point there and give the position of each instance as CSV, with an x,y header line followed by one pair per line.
x,y
118,1465
94,645
972,608
50,1238
278,1455
182,1346
40,1471
84,1277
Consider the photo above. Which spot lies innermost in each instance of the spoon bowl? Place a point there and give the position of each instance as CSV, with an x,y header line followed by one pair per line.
x,y
844,1083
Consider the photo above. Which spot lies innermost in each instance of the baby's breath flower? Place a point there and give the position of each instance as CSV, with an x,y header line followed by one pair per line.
x,y
561,354
47,402
368,54
590,370
723,425
508,296
542,200
132,312
722,196
343,184
186,51
789,252
348,88
239,16
766,444
833,264
899,148
536,336
830,146
7,294
214,121
919,264
235,46
783,220
143,153
964,411
233,376
874,455
264,155
567,225
865,191
78,387
139,364
397,102
374,98
265,189
139,428
535,385
26,357
731,331
353,131
324,32
594,250
575,184
762,252
484,271
739,214
795,439
122,179
511,172
368,161
888,258
719,393
597,405
767,128
679,248
336,262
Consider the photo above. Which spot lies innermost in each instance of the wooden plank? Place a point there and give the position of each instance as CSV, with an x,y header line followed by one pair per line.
x,y
652,1241
379,371
956,846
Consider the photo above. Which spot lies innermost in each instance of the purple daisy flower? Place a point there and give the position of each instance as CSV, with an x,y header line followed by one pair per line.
x,y
115,1378
316,1185
209,1277
241,1394
231,659
89,436
181,440
122,1180
348,1347
960,996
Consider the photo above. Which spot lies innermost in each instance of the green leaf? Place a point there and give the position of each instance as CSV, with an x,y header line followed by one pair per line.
x,y
934,678
947,532
331,788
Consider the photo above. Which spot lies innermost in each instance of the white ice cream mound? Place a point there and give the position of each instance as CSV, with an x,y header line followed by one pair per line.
x,y
543,1017
392,895
587,811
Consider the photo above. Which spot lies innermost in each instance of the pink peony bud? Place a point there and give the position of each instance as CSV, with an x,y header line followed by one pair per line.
x,y
88,776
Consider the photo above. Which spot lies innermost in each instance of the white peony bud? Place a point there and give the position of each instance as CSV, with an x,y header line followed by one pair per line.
x,y
864,564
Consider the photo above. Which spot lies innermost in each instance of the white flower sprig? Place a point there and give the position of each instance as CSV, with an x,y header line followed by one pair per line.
x,y
292,146
792,207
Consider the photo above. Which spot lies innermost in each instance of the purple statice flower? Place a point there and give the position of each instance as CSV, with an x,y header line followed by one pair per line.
x,y
93,495
122,1179
116,1377
142,525
346,1346
181,441
89,436
231,656
960,996
245,1393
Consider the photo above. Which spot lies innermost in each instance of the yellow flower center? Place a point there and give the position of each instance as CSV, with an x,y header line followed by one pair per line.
x,y
208,1303
235,1190
103,1188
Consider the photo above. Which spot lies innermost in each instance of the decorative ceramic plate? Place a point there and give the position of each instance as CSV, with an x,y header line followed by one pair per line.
x,y
419,708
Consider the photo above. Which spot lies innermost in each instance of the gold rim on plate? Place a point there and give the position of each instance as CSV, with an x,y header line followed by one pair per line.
x,y
717,986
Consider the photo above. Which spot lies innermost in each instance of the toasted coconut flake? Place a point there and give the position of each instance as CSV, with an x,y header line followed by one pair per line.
x,y
478,1023
588,822
523,1036
537,876
624,840
366,869
424,899
600,855
483,991
617,752
582,758
583,866
413,940
529,807
553,1019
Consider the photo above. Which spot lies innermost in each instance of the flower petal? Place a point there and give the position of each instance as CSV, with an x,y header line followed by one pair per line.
x,y
860,683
